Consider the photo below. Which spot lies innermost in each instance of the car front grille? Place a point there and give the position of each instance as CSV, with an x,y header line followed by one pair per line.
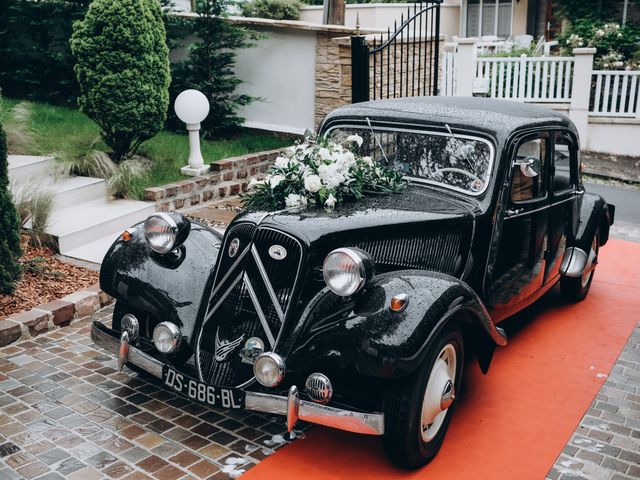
x,y
251,296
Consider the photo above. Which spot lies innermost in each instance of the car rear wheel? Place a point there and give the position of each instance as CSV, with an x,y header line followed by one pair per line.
x,y
418,412
576,289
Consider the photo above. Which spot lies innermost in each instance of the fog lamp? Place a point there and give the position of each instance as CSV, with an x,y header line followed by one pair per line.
x,y
269,369
166,337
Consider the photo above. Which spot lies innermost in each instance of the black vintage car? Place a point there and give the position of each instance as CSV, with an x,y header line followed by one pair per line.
x,y
360,318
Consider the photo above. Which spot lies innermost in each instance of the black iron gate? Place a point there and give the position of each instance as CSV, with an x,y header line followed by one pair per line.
x,y
405,64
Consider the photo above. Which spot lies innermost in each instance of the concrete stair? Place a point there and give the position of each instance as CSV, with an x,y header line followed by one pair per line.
x,y
83,221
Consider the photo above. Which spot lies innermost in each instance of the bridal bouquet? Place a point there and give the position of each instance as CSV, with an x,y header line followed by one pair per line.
x,y
319,172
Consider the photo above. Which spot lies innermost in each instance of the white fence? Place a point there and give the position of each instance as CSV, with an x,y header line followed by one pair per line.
x,y
527,79
449,74
615,94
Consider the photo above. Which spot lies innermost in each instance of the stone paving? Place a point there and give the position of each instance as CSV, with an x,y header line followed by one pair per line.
x,y
606,444
65,412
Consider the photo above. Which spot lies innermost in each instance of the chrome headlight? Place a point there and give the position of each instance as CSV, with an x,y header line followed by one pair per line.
x,y
269,369
166,337
166,231
347,270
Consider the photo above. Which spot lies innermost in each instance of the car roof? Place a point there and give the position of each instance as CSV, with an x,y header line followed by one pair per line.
x,y
497,117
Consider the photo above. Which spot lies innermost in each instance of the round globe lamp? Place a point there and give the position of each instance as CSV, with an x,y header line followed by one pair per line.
x,y
192,107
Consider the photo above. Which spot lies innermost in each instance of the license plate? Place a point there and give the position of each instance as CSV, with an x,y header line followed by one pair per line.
x,y
218,397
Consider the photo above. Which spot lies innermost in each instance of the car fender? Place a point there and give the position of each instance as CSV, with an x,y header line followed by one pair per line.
x,y
362,333
591,213
162,287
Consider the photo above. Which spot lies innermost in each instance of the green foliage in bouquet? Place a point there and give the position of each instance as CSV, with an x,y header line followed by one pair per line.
x,y
321,173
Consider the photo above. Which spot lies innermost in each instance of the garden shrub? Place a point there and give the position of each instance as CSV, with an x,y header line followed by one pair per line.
x,y
10,250
209,67
615,45
273,9
123,71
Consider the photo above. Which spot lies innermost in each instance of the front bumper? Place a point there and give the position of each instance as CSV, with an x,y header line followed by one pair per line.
x,y
290,406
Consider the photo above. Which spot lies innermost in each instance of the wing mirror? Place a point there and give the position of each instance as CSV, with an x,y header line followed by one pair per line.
x,y
530,166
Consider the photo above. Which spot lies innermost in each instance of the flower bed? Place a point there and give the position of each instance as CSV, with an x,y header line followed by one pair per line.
x,y
45,278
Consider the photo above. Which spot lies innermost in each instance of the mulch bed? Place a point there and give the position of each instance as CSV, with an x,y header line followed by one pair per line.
x,y
44,279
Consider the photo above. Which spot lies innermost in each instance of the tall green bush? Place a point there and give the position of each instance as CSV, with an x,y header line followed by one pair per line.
x,y
10,250
209,67
123,71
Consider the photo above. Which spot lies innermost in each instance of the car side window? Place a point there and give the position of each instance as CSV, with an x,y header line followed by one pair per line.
x,y
525,187
564,159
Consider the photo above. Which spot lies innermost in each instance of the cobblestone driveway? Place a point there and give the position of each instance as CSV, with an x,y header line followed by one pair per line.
x,y
65,412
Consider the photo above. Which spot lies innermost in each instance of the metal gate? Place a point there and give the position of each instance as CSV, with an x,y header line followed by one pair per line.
x,y
405,64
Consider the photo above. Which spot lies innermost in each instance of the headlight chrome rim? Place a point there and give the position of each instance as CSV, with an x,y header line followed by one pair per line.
x,y
277,361
172,231
362,263
175,336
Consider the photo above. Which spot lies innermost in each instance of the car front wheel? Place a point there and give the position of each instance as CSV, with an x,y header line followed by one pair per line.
x,y
418,412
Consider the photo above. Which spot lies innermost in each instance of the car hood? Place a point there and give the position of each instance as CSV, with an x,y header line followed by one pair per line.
x,y
406,212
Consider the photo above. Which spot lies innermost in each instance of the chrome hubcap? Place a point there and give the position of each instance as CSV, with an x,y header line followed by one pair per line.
x,y
592,261
439,394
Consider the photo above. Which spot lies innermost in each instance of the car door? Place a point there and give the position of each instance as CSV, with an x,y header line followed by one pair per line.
x,y
563,182
519,268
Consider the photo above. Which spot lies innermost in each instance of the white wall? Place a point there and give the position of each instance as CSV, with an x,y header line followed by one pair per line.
x,y
614,136
281,70
383,15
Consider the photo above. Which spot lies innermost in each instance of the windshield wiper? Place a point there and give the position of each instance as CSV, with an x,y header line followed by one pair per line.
x,y
459,145
377,141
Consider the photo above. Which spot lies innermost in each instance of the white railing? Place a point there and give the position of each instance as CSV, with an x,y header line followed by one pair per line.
x,y
527,79
448,83
615,94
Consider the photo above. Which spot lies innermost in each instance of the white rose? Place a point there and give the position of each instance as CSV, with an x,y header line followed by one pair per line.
x,y
348,159
324,153
368,161
275,181
312,183
330,201
355,138
294,200
281,162
330,175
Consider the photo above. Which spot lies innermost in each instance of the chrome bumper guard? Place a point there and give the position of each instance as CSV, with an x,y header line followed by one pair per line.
x,y
290,406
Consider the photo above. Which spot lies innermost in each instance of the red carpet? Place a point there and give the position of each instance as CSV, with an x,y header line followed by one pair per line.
x,y
513,422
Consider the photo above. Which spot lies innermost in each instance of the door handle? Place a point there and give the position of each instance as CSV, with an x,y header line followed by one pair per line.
x,y
513,211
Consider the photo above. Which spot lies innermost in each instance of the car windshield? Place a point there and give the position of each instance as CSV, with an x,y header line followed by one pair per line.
x,y
455,161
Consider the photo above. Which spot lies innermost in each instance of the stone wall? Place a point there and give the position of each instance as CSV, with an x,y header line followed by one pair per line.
x,y
333,71
227,178
333,74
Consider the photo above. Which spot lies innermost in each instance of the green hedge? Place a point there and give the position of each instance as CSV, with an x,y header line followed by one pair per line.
x,y
10,250
35,58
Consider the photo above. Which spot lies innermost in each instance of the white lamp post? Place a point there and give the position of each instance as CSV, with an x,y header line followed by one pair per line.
x,y
192,107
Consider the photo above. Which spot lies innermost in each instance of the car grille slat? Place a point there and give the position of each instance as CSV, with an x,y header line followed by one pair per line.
x,y
433,251
236,316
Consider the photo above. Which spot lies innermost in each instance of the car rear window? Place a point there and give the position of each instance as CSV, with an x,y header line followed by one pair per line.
x,y
458,162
